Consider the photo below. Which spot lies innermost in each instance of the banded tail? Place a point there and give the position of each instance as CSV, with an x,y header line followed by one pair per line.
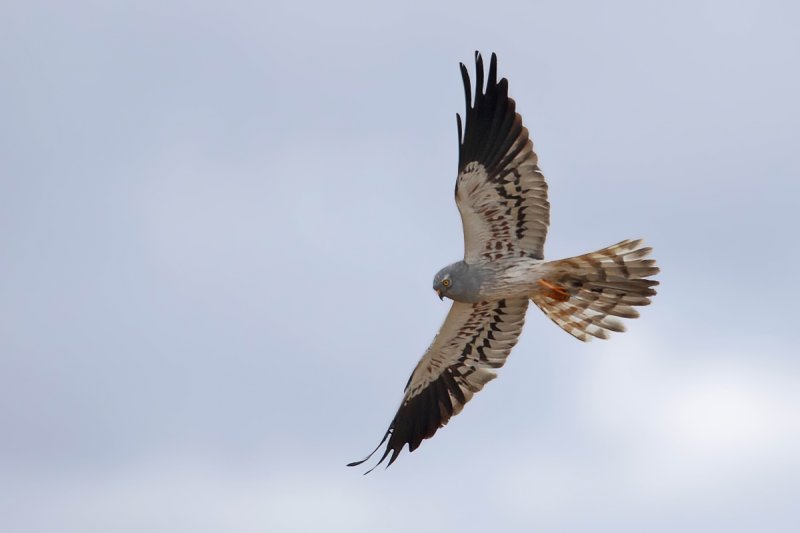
x,y
583,294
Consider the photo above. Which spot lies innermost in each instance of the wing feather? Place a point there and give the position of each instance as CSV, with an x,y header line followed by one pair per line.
x,y
500,191
474,340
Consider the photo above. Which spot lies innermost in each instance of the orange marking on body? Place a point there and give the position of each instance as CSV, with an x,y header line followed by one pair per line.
x,y
554,291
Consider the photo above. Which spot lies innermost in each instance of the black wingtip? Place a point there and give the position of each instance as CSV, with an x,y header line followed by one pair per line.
x,y
478,77
365,459
492,71
490,126
467,85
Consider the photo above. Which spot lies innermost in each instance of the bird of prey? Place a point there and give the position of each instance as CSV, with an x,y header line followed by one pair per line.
x,y
502,197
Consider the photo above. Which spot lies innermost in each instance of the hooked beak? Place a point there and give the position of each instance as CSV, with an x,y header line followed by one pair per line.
x,y
439,293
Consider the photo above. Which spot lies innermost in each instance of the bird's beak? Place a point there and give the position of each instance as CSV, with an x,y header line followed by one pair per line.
x,y
439,293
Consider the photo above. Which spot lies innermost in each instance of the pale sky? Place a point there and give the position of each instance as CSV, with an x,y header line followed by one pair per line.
x,y
218,229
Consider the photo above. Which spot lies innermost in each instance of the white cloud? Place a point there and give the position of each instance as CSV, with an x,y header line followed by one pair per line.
x,y
708,440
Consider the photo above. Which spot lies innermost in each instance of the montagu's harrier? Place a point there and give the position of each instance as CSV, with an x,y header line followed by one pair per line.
x,y
502,197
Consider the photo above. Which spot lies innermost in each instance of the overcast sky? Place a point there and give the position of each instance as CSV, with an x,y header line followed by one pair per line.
x,y
219,223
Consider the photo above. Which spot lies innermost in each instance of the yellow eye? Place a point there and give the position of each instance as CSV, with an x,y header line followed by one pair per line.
x,y
446,282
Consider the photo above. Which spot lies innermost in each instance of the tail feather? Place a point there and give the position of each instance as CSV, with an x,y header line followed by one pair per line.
x,y
584,294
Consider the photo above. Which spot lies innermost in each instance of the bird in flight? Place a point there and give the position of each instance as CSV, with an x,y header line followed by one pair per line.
x,y
502,197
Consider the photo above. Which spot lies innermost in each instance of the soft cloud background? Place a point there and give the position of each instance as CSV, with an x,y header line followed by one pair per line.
x,y
219,222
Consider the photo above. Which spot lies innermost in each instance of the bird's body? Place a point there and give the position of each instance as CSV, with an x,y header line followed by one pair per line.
x,y
490,281
502,197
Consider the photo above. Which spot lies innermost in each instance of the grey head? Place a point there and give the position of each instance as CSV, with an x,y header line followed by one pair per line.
x,y
460,282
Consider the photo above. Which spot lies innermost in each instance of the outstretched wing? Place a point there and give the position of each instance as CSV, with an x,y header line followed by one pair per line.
x,y
474,339
500,191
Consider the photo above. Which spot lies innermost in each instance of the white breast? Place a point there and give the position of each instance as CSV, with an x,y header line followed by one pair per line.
x,y
516,278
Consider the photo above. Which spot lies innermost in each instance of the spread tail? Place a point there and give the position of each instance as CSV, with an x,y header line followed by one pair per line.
x,y
583,294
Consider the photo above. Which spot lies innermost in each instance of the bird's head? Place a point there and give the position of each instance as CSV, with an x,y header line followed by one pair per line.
x,y
460,282
443,282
